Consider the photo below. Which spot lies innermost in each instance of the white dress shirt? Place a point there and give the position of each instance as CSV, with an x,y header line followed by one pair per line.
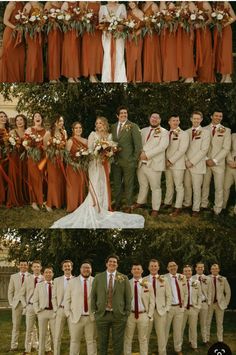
x,y
175,299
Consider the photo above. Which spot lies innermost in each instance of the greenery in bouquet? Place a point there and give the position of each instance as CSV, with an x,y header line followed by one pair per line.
x,y
21,21
219,18
72,21
12,143
81,159
191,20
56,149
30,24
169,19
33,143
55,19
114,26
151,24
131,29
89,20
105,150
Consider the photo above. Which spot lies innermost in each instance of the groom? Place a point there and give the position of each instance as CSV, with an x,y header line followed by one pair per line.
x,y
111,305
128,137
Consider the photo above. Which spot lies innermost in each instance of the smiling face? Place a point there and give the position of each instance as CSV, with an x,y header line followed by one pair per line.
x,y
60,123
37,119
196,120
153,267
36,268
20,123
23,266
123,115
174,122
154,120
187,271
172,268
112,264
216,118
137,271
132,5
86,270
77,130
215,270
3,118
199,269
48,274
100,127
67,268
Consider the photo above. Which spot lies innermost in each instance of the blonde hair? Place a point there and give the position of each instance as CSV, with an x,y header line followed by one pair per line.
x,y
104,121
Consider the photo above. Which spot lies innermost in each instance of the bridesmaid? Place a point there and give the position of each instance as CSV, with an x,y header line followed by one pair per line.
x,y
34,54
223,44
71,50
4,128
55,166
204,51
186,49
17,171
13,53
169,48
54,41
92,53
152,66
133,46
75,187
35,176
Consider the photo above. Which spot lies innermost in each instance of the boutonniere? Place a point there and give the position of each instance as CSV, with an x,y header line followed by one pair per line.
x,y
160,278
195,284
220,279
120,278
127,127
204,280
157,130
197,134
176,132
221,129
181,277
143,283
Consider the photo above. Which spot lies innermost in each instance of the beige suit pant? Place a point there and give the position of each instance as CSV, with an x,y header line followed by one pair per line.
x,y
203,321
192,190
230,179
16,322
46,319
191,317
219,314
175,317
218,185
159,323
59,327
31,333
142,324
174,181
87,328
147,177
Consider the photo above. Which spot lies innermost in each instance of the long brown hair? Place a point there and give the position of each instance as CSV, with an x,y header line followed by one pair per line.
x,y
56,120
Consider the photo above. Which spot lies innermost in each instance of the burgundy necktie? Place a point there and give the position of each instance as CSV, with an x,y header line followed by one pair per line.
x,y
149,134
136,312
215,297
178,291
213,130
35,281
193,132
154,285
22,279
49,295
170,134
85,296
188,304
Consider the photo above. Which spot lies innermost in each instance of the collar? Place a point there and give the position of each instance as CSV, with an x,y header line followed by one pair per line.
x,y
113,273
215,125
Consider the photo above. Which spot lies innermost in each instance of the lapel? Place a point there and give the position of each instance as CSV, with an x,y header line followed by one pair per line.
x,y
123,129
115,131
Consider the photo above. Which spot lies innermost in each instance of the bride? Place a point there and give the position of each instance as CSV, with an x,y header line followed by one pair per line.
x,y
94,211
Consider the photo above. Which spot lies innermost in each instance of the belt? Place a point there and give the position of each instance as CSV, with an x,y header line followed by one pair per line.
x,y
109,310
62,306
204,301
85,315
48,308
139,312
174,305
30,303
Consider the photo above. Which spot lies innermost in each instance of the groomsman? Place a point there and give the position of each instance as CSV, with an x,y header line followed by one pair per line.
x,y
26,297
230,172
152,163
42,303
193,306
175,164
221,294
16,282
60,285
142,309
128,137
162,294
215,161
78,310
206,289
111,305
195,161
175,316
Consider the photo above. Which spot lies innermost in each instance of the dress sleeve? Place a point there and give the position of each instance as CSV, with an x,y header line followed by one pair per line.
x,y
91,140
102,13
110,137
123,12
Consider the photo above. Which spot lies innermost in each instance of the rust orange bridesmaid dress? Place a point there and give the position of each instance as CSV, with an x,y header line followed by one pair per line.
x,y
204,52
3,169
34,55
54,53
152,65
76,181
13,55
35,176
92,52
71,50
134,55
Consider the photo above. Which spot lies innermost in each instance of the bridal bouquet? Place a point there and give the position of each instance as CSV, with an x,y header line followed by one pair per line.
x,y
81,159
54,19
152,24
89,20
56,149
131,28
220,18
21,21
12,143
71,20
33,143
113,25
191,20
36,23
169,19
105,150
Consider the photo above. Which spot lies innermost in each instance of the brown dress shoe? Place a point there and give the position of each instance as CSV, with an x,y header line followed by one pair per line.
x,y
127,209
195,214
176,212
179,353
136,205
165,207
154,213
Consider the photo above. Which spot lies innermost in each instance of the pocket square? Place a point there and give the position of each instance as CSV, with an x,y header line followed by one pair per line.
x,y
175,139
197,137
146,290
155,136
220,135
161,285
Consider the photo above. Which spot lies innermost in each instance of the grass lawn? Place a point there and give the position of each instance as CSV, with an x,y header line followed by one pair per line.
x,y
5,338
26,217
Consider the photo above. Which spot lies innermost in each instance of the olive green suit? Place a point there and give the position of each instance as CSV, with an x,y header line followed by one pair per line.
x,y
116,319
123,169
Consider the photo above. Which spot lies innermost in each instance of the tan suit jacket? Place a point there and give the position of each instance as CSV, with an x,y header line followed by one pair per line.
x,y
58,292
219,146
206,287
147,296
196,293
232,153
27,290
163,294
155,147
14,288
40,298
74,299
182,282
223,291
177,147
198,149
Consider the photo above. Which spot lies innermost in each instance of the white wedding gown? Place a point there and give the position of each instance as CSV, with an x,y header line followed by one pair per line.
x,y
89,216
120,72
